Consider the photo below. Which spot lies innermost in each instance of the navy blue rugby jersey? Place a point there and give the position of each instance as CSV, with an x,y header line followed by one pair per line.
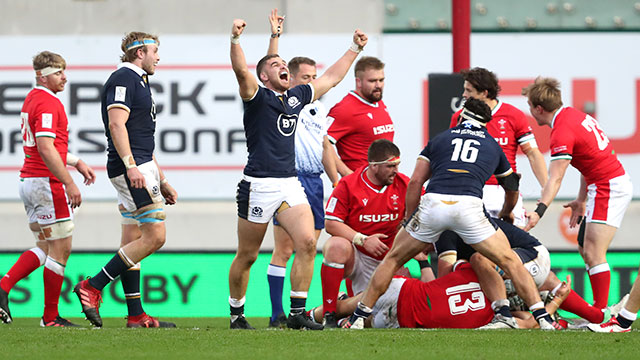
x,y
519,240
127,89
462,159
269,124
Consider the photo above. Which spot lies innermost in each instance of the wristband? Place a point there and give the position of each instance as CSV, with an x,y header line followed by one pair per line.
x,y
424,264
276,35
541,209
72,160
164,181
235,39
358,239
355,48
129,162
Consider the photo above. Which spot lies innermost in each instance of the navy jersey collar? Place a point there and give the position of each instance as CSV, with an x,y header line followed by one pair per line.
x,y
133,67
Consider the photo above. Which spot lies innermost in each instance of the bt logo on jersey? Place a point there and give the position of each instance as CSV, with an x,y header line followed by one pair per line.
x,y
377,130
378,217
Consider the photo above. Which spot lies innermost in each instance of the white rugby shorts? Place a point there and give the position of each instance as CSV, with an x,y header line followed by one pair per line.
x,y
133,199
385,311
493,199
540,266
462,214
259,199
363,268
45,200
607,201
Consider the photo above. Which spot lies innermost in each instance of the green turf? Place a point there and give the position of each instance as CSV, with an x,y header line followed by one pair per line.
x,y
210,338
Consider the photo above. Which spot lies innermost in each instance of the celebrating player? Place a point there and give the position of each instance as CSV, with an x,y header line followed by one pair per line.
x,y
457,162
605,188
129,117
363,216
312,158
360,117
511,130
269,186
46,188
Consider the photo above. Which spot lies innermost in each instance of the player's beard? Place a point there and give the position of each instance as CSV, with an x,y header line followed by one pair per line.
x,y
374,96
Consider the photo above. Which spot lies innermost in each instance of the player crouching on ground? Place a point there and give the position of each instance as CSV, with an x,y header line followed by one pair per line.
x,y
455,300
371,201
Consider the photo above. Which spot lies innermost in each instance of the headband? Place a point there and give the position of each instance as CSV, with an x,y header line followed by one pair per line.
x,y
469,115
48,71
138,43
394,160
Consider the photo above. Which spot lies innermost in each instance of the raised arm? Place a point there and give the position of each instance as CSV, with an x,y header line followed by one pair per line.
x,y
337,71
247,82
276,22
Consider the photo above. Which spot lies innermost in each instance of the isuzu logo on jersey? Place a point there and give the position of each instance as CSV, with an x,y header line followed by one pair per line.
x,y
378,217
287,124
377,130
502,141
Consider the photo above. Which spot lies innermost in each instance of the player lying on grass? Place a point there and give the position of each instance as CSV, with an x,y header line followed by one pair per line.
x,y
535,258
455,300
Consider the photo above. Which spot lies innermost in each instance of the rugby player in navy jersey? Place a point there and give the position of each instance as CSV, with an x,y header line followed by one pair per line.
x,y
129,117
269,186
457,162
312,159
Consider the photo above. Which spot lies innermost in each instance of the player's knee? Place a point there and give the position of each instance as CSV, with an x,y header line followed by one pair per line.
x,y
306,245
336,249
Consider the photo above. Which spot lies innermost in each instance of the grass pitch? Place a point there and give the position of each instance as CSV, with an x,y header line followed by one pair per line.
x,y
210,338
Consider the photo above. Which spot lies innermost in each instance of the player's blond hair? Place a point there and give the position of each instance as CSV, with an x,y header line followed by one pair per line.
x,y
48,59
544,92
128,52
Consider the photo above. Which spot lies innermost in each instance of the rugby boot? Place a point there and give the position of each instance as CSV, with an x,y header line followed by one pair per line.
x,y
146,321
5,314
279,322
241,323
57,322
330,321
611,326
90,299
302,321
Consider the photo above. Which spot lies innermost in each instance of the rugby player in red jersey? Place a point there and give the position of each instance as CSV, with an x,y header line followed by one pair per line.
x,y
510,128
46,188
363,215
605,188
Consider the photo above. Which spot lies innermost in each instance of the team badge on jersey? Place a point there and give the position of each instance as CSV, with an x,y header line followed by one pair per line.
x,y
47,120
293,102
287,124
121,93
155,190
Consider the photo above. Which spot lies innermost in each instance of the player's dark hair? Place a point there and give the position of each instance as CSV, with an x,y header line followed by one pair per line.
x,y
479,108
130,54
263,62
381,150
294,64
367,62
482,79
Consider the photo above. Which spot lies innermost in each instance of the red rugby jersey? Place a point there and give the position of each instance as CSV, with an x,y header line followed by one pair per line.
x,y
354,123
42,115
577,136
368,208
